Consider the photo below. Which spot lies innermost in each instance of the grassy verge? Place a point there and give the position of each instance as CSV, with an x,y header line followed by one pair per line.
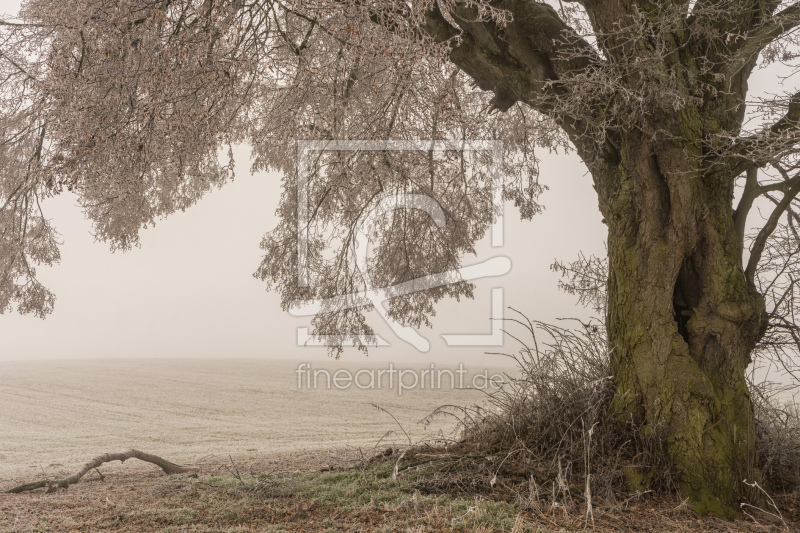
x,y
356,499
366,498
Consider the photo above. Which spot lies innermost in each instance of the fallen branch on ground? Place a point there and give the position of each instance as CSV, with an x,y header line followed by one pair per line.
x,y
52,485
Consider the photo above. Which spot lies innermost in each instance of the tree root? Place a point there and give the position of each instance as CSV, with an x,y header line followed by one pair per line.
x,y
53,485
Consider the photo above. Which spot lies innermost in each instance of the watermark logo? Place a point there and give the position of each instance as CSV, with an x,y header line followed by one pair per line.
x,y
495,266
399,379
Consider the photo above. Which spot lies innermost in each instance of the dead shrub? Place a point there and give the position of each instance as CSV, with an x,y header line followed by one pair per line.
x,y
778,436
548,434
548,437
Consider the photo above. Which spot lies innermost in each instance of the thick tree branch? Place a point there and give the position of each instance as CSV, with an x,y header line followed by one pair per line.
x,y
770,144
529,60
772,222
748,197
518,62
763,35
53,485
782,186
791,119
20,24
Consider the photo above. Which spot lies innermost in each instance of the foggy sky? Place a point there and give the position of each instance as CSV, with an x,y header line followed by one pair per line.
x,y
188,291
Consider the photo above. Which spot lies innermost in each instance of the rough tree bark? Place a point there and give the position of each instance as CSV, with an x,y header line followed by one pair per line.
x,y
682,319
683,315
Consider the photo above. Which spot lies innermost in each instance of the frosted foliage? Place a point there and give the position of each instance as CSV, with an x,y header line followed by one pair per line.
x,y
134,105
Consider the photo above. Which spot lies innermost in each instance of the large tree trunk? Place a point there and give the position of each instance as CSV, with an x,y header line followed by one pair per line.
x,y
681,316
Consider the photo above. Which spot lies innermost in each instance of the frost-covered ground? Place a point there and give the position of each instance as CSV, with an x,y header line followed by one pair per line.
x,y
56,415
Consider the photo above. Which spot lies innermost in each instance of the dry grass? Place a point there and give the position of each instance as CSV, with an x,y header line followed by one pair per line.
x,y
548,444
295,493
778,432
550,431
232,499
